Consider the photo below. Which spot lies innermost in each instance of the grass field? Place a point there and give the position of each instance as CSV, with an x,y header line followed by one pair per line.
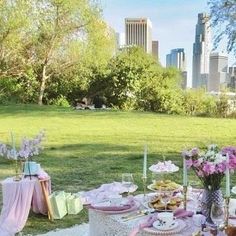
x,y
84,149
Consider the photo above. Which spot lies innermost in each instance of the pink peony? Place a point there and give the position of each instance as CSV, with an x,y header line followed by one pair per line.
x,y
189,163
220,168
208,168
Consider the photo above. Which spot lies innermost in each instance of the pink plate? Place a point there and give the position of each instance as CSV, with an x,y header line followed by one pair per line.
x,y
132,208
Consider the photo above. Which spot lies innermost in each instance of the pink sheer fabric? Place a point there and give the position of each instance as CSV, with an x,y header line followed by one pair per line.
x,y
17,199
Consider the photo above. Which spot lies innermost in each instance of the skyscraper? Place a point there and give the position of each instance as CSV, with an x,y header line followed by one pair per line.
x,y
232,77
138,31
120,40
217,72
155,50
201,51
177,59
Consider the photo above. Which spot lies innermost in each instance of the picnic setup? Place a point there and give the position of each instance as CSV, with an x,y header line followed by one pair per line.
x,y
164,207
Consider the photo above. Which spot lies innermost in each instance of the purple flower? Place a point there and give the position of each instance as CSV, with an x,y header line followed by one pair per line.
x,y
196,163
189,163
195,152
208,168
28,148
220,168
200,173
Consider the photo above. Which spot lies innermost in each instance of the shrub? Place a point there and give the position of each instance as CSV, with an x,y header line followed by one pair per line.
x,y
60,101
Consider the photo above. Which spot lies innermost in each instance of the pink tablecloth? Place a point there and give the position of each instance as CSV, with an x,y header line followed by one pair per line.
x,y
17,199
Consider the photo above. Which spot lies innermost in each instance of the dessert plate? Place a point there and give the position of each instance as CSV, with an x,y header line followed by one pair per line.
x,y
179,228
160,226
152,187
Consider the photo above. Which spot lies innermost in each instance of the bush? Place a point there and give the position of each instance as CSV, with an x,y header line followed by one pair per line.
x,y
60,101
222,105
197,102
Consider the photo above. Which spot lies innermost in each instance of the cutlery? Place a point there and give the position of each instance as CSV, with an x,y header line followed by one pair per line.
x,y
132,214
135,216
138,214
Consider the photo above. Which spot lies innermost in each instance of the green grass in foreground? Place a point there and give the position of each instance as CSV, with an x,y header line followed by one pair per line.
x,y
84,149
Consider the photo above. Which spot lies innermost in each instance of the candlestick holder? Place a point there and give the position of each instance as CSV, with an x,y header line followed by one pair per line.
x,y
225,225
227,200
185,189
144,178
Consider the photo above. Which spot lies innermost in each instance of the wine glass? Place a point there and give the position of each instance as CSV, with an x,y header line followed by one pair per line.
x,y
217,215
127,181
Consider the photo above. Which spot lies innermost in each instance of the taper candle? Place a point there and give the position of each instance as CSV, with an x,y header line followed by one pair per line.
x,y
227,176
145,162
13,145
185,178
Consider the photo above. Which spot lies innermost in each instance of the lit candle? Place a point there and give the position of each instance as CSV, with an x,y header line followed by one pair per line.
x,y
13,145
184,172
227,176
145,162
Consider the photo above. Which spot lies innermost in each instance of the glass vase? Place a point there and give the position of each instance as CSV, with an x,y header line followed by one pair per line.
x,y
17,176
208,198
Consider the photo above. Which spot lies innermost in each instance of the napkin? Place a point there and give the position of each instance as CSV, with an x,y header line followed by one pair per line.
x,y
104,192
145,224
181,213
129,204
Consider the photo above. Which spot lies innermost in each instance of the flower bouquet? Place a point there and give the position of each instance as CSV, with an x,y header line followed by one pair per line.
x,y
28,149
210,167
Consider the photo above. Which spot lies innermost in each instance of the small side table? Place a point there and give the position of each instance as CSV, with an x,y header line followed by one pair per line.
x,y
43,183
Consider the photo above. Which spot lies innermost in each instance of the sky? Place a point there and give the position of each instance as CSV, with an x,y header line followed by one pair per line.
x,y
173,22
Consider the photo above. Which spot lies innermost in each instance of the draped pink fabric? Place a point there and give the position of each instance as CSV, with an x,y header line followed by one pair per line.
x,y
17,199
38,200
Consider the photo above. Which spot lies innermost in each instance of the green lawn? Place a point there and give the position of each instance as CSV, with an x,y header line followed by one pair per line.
x,y
84,149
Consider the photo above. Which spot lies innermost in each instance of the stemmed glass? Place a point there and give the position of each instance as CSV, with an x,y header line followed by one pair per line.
x,y
127,181
217,215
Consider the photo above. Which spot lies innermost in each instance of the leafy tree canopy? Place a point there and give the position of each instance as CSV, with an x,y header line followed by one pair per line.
x,y
223,15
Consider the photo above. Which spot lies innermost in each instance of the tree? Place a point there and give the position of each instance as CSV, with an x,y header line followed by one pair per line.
x,y
13,25
126,71
51,38
223,15
134,80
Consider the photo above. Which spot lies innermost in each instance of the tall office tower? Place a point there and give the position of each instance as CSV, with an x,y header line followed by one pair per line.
x,y
138,31
201,52
217,72
120,40
155,50
232,77
177,59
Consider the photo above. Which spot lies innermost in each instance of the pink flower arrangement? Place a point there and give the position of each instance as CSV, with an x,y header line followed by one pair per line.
x,y
210,166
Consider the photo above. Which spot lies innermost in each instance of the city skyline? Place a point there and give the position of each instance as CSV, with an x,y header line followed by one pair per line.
x,y
173,22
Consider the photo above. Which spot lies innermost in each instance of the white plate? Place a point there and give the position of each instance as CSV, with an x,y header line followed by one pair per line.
x,y
163,227
156,171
